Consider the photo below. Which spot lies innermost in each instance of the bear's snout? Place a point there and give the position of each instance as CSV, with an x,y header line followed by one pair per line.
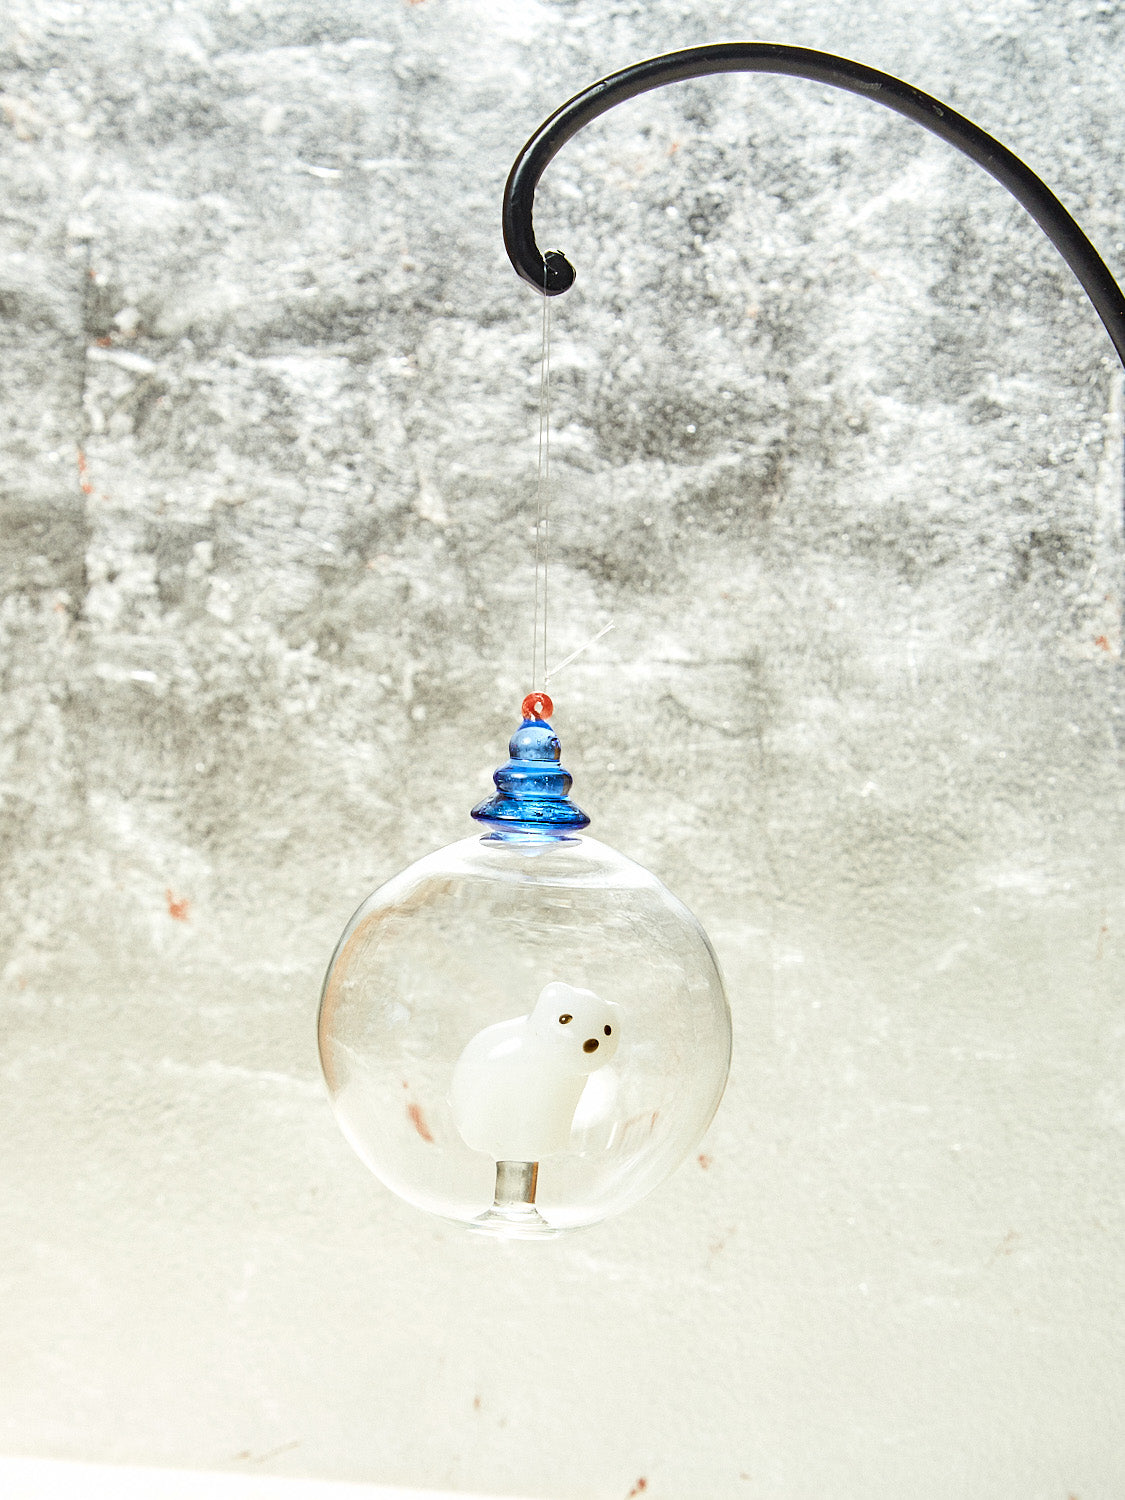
x,y
591,1045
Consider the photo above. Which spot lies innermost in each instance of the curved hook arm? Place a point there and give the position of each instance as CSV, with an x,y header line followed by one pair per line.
x,y
552,274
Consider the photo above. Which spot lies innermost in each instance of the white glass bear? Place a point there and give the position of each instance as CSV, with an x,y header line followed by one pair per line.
x,y
517,1085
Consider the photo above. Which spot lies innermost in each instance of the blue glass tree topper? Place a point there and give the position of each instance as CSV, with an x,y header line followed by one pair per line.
x,y
531,786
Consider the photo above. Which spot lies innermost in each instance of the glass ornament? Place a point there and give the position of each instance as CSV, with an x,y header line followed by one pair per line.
x,y
524,1031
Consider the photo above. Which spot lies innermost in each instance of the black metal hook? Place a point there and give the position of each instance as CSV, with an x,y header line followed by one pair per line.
x,y
552,273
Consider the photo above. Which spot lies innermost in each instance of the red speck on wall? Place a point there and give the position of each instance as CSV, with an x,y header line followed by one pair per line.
x,y
177,910
83,482
418,1120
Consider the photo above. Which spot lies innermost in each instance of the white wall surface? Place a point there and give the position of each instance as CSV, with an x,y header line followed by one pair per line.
x,y
839,448
53,1479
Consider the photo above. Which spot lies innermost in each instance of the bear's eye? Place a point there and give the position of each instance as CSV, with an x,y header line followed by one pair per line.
x,y
609,1031
565,1020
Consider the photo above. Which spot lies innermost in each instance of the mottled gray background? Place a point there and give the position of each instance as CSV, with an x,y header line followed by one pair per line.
x,y
839,448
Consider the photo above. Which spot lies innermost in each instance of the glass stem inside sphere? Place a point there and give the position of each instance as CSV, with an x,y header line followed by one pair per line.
x,y
516,1182
513,1211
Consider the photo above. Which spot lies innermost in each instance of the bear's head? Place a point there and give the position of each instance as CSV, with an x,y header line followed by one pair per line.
x,y
579,1028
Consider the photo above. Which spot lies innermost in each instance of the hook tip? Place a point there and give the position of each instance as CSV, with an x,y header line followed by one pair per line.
x,y
558,274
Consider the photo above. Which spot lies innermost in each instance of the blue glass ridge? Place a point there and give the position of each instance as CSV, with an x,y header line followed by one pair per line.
x,y
531,788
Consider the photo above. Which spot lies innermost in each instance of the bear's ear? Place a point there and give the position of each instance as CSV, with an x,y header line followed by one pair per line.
x,y
557,997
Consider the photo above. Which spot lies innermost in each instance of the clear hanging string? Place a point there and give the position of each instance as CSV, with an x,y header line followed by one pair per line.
x,y
542,508
574,655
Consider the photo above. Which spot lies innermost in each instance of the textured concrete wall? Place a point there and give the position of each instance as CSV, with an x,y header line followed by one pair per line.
x,y
838,446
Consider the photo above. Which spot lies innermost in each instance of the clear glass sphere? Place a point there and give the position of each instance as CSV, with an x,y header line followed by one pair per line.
x,y
525,1034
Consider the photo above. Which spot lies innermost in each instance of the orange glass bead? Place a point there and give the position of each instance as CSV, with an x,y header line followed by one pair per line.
x,y
537,706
